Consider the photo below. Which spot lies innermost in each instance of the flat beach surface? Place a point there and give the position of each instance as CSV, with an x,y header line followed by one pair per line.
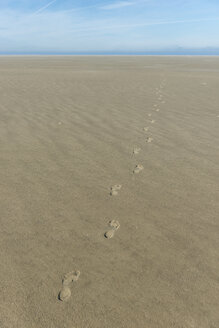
x,y
68,128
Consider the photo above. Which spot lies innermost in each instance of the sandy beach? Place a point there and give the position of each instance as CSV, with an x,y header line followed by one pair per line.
x,y
109,169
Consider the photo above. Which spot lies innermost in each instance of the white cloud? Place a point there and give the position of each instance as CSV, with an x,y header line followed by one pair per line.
x,y
117,5
101,26
44,7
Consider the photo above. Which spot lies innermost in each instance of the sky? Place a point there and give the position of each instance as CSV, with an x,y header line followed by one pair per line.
x,y
109,27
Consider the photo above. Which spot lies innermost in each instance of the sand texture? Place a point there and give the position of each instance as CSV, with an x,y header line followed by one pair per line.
x,y
109,169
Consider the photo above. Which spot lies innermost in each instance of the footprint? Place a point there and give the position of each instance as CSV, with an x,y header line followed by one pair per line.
x,y
138,168
109,234
146,128
70,277
115,189
115,225
149,139
152,121
158,109
149,114
65,292
136,150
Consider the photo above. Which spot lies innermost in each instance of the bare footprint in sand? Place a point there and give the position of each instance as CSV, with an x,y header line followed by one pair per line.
x,y
115,189
149,139
146,128
115,225
65,292
138,169
136,150
70,277
152,121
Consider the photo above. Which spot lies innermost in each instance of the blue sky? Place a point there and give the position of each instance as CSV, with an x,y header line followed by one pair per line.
x,y
117,26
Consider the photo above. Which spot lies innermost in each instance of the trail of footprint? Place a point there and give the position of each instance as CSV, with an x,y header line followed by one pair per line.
x,y
65,292
138,169
115,225
115,189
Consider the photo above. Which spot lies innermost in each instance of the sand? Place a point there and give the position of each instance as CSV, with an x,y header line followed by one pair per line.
x,y
70,129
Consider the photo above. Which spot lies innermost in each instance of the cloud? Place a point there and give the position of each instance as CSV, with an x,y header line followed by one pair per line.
x,y
117,5
128,26
100,26
44,7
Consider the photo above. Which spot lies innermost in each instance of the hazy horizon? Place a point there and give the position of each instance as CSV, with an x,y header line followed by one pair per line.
x,y
182,52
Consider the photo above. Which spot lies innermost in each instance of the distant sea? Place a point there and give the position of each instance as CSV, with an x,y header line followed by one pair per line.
x,y
166,52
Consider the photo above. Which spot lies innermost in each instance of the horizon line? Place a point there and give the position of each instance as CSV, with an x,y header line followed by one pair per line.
x,y
109,55
176,52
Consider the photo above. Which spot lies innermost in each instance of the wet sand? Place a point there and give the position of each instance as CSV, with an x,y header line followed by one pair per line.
x,y
109,166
